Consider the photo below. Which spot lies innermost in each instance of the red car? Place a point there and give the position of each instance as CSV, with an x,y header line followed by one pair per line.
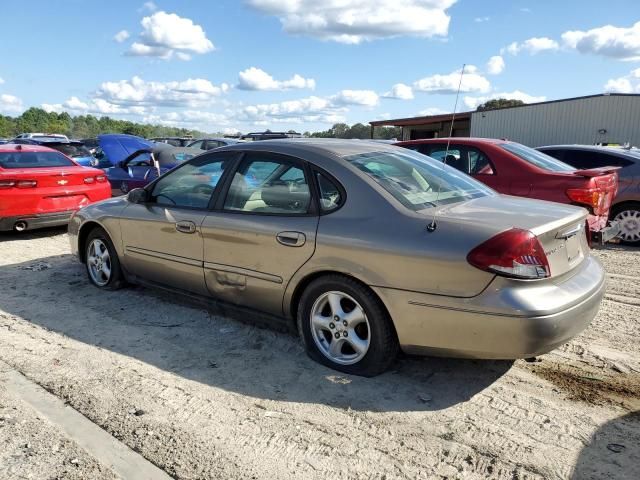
x,y
41,187
514,169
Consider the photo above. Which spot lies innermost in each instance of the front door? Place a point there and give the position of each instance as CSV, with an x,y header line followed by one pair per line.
x,y
261,233
162,239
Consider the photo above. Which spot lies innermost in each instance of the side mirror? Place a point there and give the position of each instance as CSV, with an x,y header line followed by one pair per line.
x,y
138,196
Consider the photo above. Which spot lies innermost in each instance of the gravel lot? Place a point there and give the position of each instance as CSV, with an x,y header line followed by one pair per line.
x,y
204,396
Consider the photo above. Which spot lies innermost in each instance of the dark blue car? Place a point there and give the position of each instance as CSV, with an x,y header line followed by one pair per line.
x,y
71,148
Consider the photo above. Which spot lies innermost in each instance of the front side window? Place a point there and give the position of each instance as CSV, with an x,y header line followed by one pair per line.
x,y
34,160
271,185
536,158
416,180
192,184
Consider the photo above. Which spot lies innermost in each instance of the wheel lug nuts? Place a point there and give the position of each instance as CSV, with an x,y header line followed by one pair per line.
x,y
332,326
344,323
337,334
345,334
336,318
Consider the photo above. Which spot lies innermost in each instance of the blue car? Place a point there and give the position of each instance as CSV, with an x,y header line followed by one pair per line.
x,y
146,164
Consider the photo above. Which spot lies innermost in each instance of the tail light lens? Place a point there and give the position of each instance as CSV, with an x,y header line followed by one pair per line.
x,y
101,179
18,184
89,179
598,200
515,253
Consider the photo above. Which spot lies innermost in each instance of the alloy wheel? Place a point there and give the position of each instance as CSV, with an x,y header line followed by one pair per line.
x,y
340,328
99,262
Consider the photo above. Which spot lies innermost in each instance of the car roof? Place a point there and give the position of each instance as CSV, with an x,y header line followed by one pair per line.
x,y
461,140
13,147
594,148
332,147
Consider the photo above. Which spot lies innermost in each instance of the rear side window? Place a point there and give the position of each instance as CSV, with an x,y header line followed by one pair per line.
x,y
34,160
534,157
331,198
73,151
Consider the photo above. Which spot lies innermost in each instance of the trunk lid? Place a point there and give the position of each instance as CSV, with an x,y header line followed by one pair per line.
x,y
55,177
560,229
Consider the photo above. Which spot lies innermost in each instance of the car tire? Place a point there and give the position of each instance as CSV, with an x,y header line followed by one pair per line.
x,y
628,212
345,326
102,262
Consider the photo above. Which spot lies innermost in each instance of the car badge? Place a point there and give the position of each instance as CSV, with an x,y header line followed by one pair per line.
x,y
63,182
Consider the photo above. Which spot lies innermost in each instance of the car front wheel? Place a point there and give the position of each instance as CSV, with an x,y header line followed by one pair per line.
x,y
103,265
344,326
629,217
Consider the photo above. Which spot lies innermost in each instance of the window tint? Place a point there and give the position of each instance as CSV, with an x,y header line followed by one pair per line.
x,y
211,144
469,160
586,159
72,150
34,160
416,180
536,158
198,144
264,184
330,196
479,163
192,184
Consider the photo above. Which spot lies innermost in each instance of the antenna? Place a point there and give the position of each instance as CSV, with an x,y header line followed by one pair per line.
x,y
432,226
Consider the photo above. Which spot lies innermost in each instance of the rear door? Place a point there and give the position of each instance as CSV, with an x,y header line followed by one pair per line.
x,y
163,239
262,232
468,159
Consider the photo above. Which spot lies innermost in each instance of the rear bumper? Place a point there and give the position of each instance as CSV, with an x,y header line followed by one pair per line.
x,y
32,222
508,320
609,232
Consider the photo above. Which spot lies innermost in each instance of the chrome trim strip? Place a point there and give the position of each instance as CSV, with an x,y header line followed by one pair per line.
x,y
243,271
163,256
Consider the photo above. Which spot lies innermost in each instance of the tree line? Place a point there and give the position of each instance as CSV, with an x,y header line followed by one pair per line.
x,y
357,130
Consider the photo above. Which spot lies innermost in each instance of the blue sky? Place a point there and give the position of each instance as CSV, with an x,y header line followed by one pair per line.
x,y
304,64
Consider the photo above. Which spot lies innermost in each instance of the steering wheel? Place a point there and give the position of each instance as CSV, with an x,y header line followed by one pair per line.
x,y
203,188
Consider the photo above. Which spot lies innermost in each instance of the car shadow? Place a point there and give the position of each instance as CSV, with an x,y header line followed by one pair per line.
x,y
199,344
613,451
32,234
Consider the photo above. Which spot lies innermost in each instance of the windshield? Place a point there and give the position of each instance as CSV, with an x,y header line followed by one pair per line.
x,y
73,151
539,159
34,160
418,181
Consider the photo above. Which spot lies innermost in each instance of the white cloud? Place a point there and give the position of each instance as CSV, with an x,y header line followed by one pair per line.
x,y
121,36
367,98
149,7
165,34
627,84
473,102
472,82
304,110
400,91
96,106
525,10
202,120
481,19
257,79
191,92
10,104
609,41
355,21
427,112
1,80
532,46
495,65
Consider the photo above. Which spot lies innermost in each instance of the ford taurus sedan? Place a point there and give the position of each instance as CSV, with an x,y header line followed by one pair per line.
x,y
365,248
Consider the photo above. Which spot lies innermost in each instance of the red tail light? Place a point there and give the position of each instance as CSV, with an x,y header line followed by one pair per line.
x,y
101,179
597,199
89,179
515,253
18,184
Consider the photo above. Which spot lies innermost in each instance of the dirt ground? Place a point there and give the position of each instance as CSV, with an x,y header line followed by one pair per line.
x,y
203,396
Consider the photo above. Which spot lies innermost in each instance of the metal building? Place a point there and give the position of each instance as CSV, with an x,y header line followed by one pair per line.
x,y
607,118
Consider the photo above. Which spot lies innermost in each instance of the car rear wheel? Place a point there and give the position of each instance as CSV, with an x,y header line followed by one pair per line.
x,y
629,217
344,326
103,265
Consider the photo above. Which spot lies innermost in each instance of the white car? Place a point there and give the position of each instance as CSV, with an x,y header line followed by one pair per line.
x,y
44,136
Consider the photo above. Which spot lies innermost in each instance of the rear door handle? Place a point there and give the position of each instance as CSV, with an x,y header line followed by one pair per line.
x,y
291,239
186,227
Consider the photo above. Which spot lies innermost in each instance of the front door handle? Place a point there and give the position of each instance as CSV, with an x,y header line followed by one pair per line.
x,y
291,239
186,227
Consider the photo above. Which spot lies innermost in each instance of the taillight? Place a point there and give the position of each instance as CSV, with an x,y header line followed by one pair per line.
x,y
101,179
18,183
594,198
515,253
89,179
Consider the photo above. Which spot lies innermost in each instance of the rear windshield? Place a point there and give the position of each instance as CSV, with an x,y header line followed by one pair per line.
x,y
73,151
539,159
34,160
418,181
